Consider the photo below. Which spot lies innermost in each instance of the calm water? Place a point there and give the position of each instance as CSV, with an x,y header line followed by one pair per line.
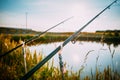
x,y
87,54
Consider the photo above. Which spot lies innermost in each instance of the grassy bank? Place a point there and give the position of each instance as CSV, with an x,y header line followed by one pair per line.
x,y
108,36
105,37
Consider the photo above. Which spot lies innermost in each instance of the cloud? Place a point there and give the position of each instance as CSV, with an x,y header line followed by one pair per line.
x,y
45,13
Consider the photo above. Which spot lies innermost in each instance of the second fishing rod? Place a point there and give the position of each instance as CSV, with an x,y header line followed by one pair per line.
x,y
34,38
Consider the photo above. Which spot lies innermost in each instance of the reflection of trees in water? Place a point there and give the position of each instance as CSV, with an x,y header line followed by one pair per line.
x,y
115,44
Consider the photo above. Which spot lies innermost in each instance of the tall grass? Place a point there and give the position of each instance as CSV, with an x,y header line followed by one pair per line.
x,y
12,65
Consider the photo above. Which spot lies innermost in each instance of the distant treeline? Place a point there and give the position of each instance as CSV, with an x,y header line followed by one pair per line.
x,y
8,30
109,31
108,36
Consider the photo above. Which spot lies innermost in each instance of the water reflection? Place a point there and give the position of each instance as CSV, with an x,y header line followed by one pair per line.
x,y
86,56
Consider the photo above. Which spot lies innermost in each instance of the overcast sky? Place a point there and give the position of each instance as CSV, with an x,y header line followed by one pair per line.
x,y
43,14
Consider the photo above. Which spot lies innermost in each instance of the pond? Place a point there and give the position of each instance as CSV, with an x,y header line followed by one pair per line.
x,y
86,55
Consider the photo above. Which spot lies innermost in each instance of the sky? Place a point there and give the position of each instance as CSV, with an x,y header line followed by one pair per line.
x,y
43,14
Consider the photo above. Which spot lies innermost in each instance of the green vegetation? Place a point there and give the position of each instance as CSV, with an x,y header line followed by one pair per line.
x,y
108,36
12,65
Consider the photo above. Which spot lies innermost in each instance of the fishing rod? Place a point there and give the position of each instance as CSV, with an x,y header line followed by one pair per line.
x,y
34,38
40,64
